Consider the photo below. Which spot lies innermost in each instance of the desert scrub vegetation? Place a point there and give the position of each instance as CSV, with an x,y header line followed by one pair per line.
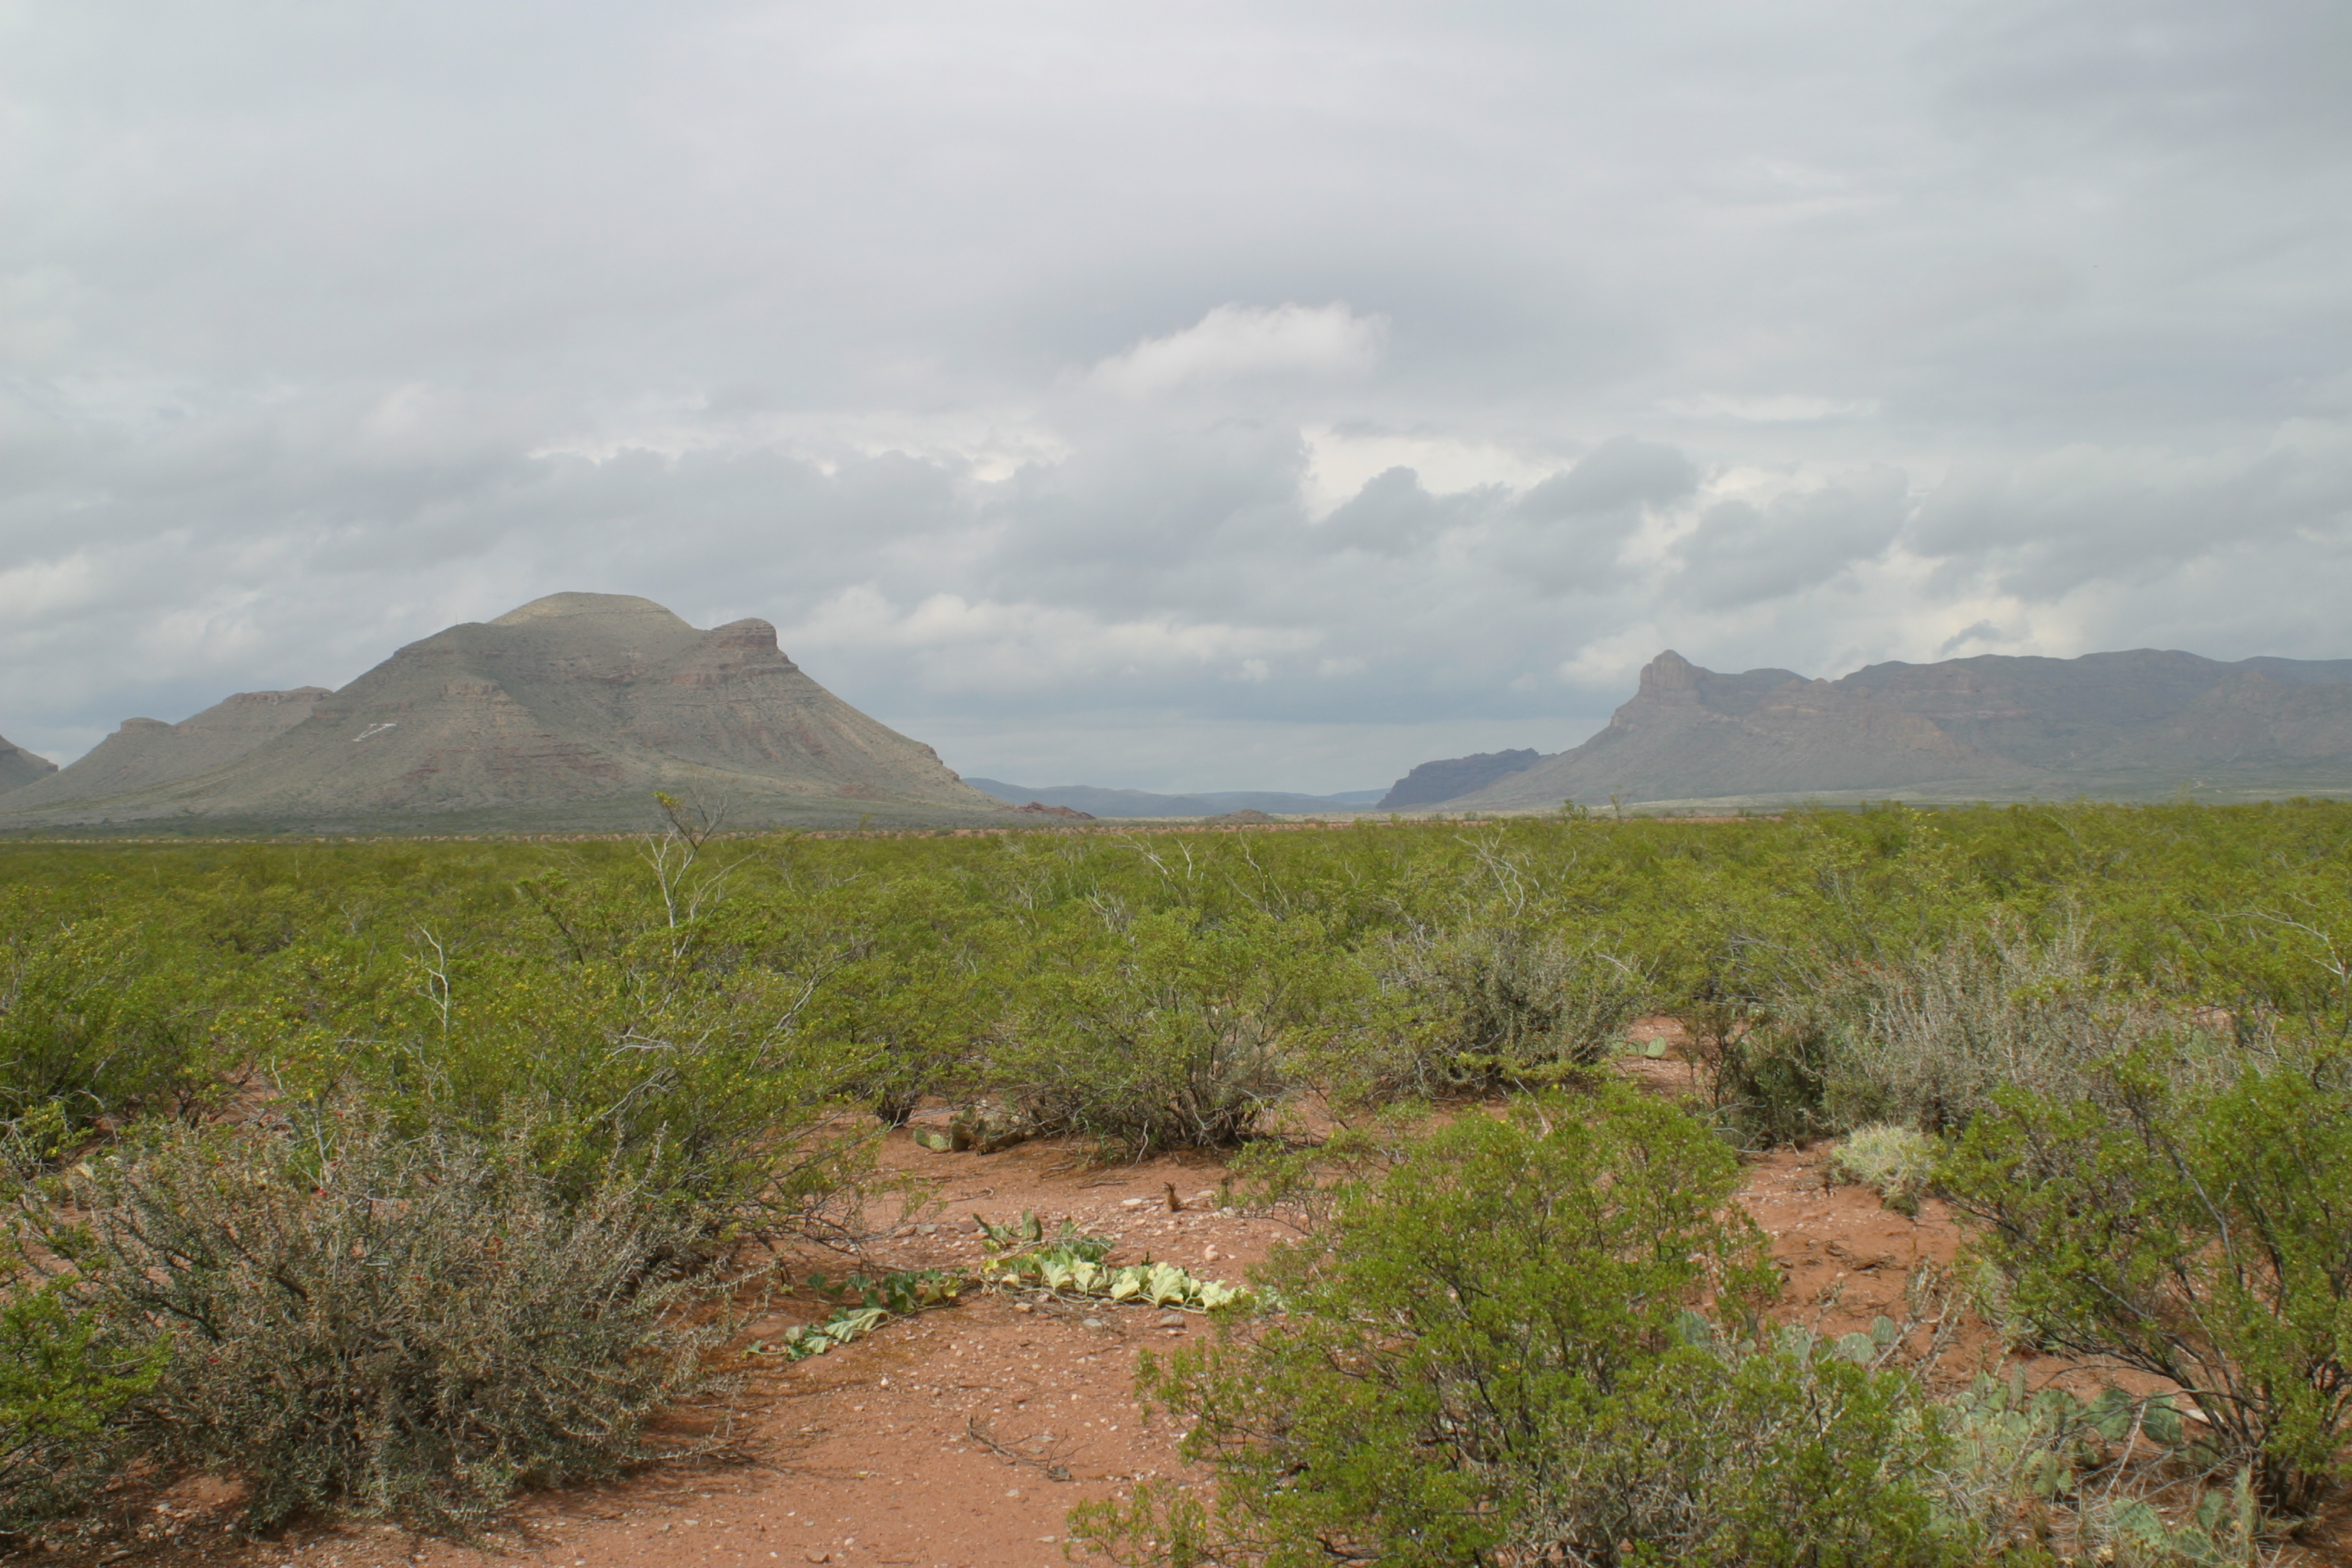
x,y
1895,1161
1491,1006
723,1027
1536,1338
2205,1239
342,1315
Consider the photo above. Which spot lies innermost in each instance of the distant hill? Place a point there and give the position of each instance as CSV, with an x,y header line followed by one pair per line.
x,y
1097,802
20,768
568,712
2137,725
149,752
1433,782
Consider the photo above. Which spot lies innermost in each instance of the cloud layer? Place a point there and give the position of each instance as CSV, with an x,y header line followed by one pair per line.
x,y
1210,398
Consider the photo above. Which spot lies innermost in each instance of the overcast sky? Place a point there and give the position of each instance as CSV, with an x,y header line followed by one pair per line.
x,y
1173,396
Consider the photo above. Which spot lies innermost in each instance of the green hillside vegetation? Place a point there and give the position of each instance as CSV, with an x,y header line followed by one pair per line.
x,y
395,1176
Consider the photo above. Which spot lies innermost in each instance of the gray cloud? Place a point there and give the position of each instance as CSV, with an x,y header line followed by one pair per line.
x,y
1619,475
1740,553
1118,389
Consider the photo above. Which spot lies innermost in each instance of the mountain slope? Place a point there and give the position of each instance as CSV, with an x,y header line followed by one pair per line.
x,y
570,710
20,768
1433,782
147,752
2132,725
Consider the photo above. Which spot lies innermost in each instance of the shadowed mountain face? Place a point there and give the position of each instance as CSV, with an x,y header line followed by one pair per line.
x,y
570,711
2137,725
1433,782
20,768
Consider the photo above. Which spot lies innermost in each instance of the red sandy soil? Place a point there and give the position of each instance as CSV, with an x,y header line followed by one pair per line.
x,y
872,1455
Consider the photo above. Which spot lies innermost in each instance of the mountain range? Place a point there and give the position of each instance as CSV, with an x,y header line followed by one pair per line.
x,y
568,712
2137,725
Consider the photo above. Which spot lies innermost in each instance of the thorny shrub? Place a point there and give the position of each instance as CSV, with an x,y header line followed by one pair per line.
x,y
1925,1039
405,1326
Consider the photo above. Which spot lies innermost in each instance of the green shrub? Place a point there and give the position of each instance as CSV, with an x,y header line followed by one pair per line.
x,y
413,1327
62,1383
2202,1237
1895,1161
1765,1080
1491,1354
94,1024
1493,1006
1168,1030
696,1069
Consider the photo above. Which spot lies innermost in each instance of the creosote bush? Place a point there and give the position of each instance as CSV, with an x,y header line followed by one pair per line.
x,y
1493,1005
1491,1354
412,1327
1168,1030
95,1023
62,1383
2200,1238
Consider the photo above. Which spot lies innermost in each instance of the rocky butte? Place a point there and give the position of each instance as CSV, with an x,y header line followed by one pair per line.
x,y
567,713
2140,725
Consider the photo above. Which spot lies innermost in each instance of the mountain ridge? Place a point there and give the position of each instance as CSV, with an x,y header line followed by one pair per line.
x,y
2139,723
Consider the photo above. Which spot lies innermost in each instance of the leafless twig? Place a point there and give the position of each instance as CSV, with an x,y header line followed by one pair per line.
x,y
1051,1465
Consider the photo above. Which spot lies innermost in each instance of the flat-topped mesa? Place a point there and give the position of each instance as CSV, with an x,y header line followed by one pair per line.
x,y
20,767
611,609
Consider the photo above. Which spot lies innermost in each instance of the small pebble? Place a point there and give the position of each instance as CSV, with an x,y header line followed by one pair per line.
x,y
1093,1323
